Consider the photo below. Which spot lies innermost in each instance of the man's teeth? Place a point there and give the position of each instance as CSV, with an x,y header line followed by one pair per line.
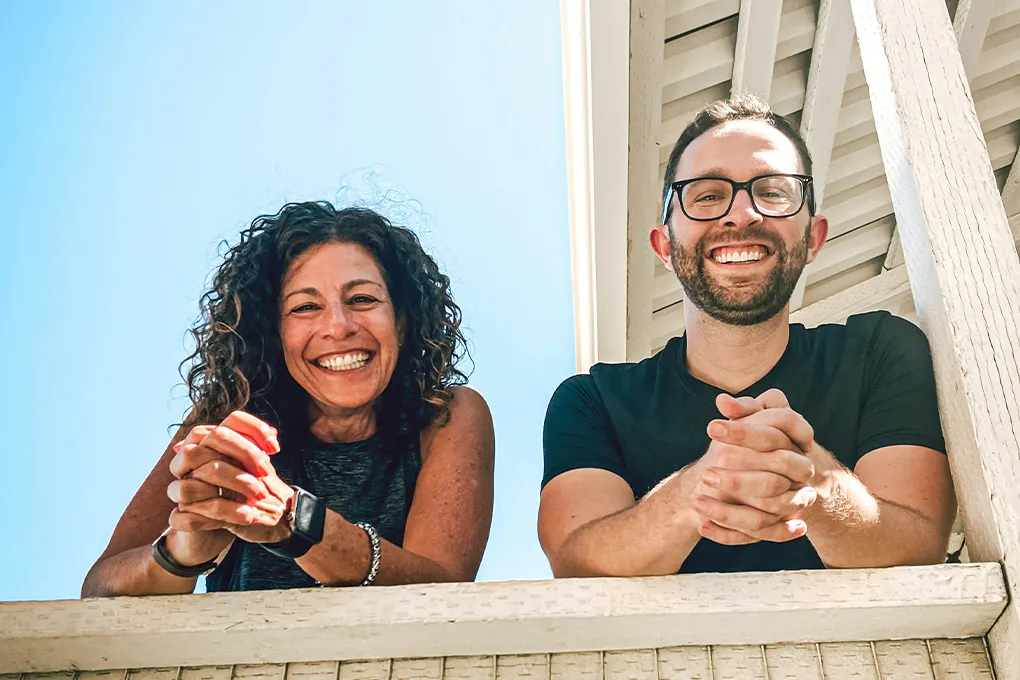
x,y
724,257
344,362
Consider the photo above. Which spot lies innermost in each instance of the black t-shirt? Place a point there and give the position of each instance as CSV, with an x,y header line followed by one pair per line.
x,y
861,386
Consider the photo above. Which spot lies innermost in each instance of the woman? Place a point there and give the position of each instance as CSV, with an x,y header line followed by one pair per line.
x,y
331,440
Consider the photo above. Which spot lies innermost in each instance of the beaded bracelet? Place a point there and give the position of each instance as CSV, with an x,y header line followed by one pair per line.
x,y
373,540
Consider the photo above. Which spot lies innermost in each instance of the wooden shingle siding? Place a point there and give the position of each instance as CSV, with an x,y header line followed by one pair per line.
x,y
938,659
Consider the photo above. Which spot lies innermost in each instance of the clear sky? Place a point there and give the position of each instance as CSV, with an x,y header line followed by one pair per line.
x,y
136,136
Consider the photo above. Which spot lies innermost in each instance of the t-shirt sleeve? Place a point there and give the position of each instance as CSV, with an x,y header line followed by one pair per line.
x,y
900,405
577,431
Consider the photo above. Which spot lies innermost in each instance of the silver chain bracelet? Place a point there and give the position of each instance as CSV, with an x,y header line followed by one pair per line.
x,y
373,540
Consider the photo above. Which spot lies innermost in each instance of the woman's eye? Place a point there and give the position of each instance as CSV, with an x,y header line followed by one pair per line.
x,y
307,307
362,300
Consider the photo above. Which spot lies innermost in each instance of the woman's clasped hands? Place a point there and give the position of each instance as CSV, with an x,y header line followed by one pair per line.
x,y
226,486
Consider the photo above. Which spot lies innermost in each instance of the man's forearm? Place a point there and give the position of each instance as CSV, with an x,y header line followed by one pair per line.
x,y
852,528
651,538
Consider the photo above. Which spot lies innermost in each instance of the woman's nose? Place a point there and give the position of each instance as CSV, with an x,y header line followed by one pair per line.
x,y
341,321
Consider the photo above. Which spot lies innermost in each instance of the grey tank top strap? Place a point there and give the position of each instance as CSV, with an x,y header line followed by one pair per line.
x,y
363,481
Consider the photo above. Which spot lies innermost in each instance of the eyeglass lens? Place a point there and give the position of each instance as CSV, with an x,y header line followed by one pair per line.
x,y
709,199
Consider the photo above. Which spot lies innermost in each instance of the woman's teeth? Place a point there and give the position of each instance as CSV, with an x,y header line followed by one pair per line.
x,y
344,362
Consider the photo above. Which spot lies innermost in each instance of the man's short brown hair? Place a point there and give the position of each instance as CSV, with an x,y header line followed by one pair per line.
x,y
737,107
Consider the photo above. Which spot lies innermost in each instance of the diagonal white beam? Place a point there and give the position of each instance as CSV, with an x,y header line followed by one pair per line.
x,y
971,26
830,58
1011,190
963,267
757,38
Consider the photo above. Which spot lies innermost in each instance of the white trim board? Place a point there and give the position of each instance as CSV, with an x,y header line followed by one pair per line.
x,y
943,601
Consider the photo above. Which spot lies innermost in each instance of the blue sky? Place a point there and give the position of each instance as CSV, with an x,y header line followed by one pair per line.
x,y
138,135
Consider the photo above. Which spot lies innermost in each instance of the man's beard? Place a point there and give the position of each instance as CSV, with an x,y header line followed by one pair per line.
x,y
733,307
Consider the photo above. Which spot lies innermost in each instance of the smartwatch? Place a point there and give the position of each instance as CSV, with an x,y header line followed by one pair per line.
x,y
307,518
164,559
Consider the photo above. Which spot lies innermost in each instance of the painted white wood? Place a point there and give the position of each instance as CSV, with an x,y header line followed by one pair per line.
x,y
417,669
851,249
963,266
595,62
365,670
792,662
683,16
647,36
470,668
755,52
698,61
894,257
738,662
971,26
684,663
499,618
267,671
903,660
960,659
848,661
102,675
830,59
522,667
634,664
1011,190
577,666
311,670
889,291
574,27
221,672
164,674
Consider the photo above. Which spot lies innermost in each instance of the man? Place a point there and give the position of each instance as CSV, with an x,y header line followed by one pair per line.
x,y
748,444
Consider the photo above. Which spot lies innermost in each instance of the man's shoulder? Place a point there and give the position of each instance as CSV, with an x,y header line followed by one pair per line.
x,y
633,375
865,328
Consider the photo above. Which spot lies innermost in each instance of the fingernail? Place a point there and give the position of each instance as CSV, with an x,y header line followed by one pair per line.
x,y
274,444
717,428
264,467
796,525
710,478
700,505
178,446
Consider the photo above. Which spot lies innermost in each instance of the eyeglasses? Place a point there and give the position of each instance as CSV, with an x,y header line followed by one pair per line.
x,y
703,199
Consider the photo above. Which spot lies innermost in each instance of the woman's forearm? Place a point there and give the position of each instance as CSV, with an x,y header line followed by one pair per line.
x,y
344,558
133,572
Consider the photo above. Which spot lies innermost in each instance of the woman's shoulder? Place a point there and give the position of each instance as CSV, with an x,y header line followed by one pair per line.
x,y
469,421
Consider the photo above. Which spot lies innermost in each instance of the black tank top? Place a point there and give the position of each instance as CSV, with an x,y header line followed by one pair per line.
x,y
364,481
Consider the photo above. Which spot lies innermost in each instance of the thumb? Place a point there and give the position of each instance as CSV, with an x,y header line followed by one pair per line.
x,y
737,407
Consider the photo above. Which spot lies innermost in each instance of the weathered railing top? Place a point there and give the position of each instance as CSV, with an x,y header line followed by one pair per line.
x,y
945,601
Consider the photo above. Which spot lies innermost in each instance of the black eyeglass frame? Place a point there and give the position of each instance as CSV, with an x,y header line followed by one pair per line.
x,y
676,188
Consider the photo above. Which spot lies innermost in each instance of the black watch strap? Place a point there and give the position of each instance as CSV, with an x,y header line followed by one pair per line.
x,y
164,559
307,523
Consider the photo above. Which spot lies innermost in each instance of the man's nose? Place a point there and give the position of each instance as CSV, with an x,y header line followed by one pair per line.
x,y
742,212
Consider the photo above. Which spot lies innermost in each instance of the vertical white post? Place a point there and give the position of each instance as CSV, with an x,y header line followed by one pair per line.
x,y
963,268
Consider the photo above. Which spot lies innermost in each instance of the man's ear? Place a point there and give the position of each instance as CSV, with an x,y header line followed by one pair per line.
x,y
816,239
658,237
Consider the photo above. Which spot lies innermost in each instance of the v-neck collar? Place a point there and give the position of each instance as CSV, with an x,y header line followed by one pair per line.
x,y
703,390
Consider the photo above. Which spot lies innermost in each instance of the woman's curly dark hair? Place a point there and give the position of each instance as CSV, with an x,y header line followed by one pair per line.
x,y
238,359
